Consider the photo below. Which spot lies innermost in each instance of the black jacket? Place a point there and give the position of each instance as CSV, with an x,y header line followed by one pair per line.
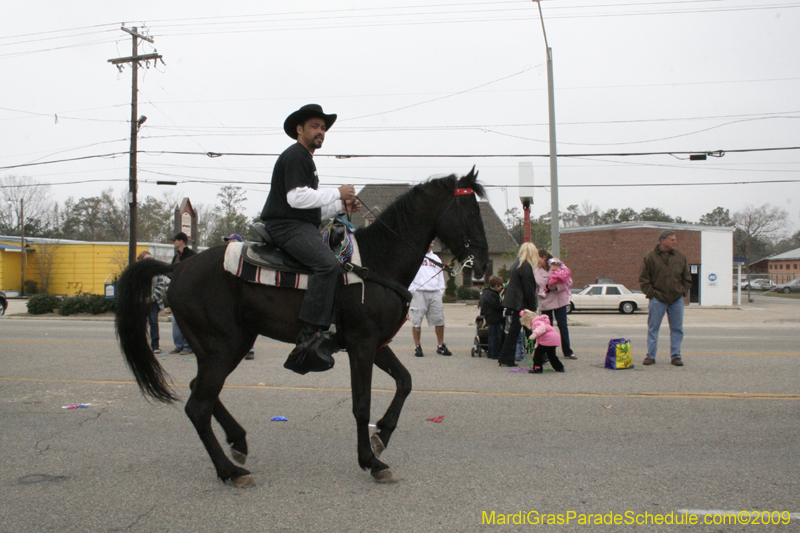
x,y
491,308
521,291
187,253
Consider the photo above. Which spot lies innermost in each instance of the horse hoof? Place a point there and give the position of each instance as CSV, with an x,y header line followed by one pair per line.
x,y
384,476
238,456
377,445
244,482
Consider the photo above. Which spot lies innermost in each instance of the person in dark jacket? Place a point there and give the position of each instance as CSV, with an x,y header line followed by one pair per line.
x,y
664,278
492,311
520,294
182,253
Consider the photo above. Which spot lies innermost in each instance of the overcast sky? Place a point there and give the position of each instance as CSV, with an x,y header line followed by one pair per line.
x,y
417,77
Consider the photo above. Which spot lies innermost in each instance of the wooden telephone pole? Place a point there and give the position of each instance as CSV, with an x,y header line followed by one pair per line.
x,y
134,60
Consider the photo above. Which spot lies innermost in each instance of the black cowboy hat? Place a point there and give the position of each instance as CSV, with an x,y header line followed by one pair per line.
x,y
304,113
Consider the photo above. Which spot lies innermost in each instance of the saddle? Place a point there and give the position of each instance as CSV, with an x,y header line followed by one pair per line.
x,y
266,254
267,264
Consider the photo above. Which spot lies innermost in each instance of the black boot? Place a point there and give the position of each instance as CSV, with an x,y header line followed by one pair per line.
x,y
313,351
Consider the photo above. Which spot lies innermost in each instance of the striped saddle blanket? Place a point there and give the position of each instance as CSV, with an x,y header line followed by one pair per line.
x,y
242,262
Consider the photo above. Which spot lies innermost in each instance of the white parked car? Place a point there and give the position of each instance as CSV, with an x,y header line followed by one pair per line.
x,y
608,297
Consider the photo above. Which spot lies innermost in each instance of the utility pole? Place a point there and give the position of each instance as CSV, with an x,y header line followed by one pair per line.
x,y
555,238
22,246
134,60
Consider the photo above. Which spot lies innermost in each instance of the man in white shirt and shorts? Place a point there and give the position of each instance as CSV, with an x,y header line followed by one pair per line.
x,y
426,301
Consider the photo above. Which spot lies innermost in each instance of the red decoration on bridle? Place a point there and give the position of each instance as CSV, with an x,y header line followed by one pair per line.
x,y
462,192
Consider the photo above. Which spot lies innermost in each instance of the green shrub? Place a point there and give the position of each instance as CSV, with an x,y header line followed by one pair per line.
x,y
73,304
39,304
31,286
503,272
465,292
94,304
97,304
450,286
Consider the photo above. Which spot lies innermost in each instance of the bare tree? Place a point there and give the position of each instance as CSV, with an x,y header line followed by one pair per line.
x,y
119,258
45,258
757,228
36,203
206,223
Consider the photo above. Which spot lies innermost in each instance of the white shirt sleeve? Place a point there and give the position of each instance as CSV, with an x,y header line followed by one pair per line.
x,y
328,200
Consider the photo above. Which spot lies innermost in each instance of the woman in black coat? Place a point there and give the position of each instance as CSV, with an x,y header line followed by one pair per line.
x,y
520,294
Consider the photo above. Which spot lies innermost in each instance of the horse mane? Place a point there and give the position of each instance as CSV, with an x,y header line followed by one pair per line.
x,y
401,215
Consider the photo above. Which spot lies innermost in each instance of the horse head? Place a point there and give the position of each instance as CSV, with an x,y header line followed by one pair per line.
x,y
460,226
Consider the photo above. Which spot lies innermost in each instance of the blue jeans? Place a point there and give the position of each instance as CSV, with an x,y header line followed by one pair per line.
x,y
177,337
563,329
495,339
519,354
303,241
674,313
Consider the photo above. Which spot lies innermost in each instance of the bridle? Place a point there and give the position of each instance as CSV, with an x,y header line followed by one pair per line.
x,y
457,194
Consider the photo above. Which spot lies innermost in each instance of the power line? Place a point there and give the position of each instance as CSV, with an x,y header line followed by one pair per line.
x,y
407,156
319,20
197,180
100,156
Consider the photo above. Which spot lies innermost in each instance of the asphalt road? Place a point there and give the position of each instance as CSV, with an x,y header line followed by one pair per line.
x,y
720,434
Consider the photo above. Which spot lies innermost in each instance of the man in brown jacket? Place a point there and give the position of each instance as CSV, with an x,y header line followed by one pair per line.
x,y
664,278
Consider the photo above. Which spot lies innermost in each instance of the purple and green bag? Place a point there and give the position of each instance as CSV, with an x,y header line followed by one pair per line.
x,y
619,356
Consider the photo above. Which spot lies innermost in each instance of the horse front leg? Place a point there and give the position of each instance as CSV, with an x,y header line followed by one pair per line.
x,y
361,361
386,360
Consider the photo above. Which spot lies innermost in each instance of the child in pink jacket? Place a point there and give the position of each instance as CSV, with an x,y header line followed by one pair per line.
x,y
547,339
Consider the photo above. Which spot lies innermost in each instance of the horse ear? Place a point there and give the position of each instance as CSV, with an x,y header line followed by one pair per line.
x,y
472,176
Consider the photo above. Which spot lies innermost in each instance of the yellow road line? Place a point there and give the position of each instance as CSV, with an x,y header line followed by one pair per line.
x,y
409,348
663,395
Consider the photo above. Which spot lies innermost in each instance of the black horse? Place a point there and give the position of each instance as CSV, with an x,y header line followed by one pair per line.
x,y
221,315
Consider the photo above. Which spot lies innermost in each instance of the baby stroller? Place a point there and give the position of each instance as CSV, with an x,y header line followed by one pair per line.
x,y
481,337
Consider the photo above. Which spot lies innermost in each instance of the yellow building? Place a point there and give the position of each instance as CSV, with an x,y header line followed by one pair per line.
x,y
71,266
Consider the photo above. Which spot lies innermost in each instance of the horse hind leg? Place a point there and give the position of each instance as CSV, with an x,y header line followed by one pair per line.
x,y
235,434
386,360
201,405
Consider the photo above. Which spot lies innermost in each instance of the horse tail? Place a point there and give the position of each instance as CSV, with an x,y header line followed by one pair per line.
x,y
133,290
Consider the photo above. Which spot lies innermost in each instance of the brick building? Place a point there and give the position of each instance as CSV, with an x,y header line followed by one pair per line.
x,y
784,267
615,251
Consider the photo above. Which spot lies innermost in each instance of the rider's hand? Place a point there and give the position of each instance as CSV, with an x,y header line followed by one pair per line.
x,y
347,192
352,206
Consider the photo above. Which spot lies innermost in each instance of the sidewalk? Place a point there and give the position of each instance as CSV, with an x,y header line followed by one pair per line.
x,y
773,310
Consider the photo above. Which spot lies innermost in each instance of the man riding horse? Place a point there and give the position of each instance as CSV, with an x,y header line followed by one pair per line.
x,y
292,214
